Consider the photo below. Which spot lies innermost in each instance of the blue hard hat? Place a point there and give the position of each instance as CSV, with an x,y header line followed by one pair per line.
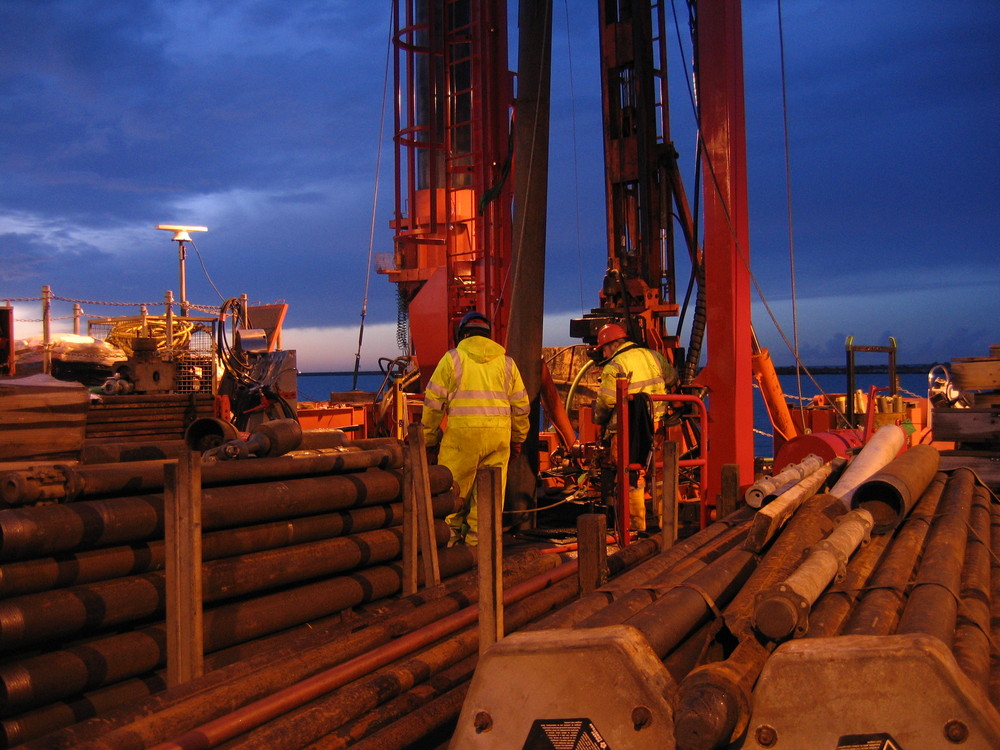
x,y
472,321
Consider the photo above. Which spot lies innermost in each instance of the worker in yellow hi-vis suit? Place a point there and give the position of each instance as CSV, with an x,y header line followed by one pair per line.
x,y
647,371
480,390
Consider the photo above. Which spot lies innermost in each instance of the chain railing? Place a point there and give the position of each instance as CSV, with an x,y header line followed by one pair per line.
x,y
78,315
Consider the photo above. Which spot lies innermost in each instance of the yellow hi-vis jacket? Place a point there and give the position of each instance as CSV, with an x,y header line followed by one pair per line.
x,y
478,386
647,371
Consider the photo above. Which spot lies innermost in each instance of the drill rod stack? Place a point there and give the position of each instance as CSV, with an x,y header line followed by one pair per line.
x,y
716,609
288,540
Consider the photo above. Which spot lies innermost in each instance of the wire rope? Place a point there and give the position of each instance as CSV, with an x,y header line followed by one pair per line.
x,y
378,171
576,164
788,199
741,251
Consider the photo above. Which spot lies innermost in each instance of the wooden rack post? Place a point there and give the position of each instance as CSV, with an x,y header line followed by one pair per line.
x,y
418,515
182,537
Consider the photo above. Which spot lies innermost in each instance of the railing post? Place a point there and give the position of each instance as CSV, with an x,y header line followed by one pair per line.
x,y
47,329
668,494
168,344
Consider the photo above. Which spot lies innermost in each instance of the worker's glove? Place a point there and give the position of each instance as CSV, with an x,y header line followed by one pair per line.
x,y
432,454
515,449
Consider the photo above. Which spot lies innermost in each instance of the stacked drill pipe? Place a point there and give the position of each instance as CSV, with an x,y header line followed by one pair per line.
x,y
64,482
49,529
972,640
715,539
877,610
286,659
360,685
277,554
713,701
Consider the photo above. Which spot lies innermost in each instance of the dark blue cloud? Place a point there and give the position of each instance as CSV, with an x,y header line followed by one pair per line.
x,y
261,120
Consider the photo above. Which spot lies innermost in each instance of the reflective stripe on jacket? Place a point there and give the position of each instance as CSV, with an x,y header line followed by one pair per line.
x,y
647,371
477,385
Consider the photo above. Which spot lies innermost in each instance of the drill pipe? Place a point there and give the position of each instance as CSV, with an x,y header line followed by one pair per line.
x,y
629,603
22,486
890,494
834,607
62,613
44,530
158,726
815,518
933,602
73,569
734,525
691,651
773,516
390,717
972,641
138,725
762,489
52,676
410,729
672,617
713,701
783,610
878,610
360,680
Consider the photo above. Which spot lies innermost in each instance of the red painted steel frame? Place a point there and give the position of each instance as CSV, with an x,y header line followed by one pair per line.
x,y
728,372
622,510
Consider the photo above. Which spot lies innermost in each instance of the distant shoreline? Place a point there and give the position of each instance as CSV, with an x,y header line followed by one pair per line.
x,y
882,369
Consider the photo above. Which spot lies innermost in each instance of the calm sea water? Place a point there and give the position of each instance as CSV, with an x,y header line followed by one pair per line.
x,y
317,387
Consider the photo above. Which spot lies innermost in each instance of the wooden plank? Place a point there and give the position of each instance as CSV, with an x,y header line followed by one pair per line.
x,y
489,502
182,538
729,497
966,425
41,416
591,537
411,543
422,505
976,373
773,516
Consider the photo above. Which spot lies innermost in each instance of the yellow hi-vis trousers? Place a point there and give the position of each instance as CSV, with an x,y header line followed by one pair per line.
x,y
465,450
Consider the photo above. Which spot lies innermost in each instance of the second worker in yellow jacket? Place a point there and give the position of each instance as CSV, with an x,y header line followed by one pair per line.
x,y
647,371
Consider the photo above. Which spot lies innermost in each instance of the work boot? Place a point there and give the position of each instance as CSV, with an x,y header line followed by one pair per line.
x,y
637,509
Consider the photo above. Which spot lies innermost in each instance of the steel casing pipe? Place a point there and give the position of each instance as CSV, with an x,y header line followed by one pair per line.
x,y
890,494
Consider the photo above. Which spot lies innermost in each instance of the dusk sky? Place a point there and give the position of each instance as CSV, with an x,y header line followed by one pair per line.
x,y
260,120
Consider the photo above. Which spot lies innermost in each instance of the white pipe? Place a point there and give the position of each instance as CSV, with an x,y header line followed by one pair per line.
x,y
877,453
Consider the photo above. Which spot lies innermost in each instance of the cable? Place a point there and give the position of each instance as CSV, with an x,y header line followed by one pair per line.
x,y
205,270
371,231
576,167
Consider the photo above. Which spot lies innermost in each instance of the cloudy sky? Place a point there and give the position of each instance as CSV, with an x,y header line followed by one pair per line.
x,y
260,119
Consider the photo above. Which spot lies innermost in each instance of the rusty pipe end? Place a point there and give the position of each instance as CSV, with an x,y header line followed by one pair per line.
x,y
780,614
886,498
705,717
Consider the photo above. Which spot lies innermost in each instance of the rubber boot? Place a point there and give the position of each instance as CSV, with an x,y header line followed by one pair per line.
x,y
637,505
